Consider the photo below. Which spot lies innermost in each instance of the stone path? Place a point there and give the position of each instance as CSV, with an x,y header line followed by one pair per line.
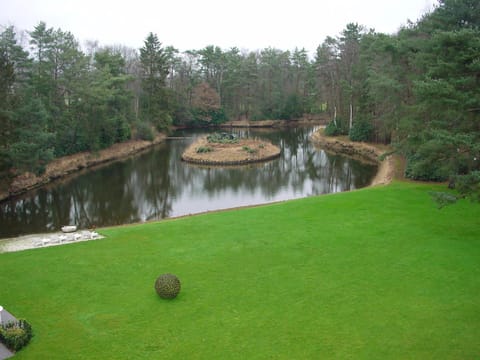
x,y
44,240
5,317
4,352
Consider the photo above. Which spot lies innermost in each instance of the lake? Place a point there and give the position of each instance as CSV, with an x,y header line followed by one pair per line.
x,y
157,184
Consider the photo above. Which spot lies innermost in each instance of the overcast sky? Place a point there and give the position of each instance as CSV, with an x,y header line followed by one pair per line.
x,y
194,24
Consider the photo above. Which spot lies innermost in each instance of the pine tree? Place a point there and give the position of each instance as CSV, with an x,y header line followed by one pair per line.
x,y
156,101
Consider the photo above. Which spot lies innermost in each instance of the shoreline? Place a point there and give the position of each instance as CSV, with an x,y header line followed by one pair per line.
x,y
67,165
388,169
245,151
309,121
70,164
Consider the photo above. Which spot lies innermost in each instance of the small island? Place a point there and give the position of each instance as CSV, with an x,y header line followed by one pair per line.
x,y
228,149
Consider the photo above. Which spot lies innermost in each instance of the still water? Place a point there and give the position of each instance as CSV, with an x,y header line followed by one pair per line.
x,y
157,184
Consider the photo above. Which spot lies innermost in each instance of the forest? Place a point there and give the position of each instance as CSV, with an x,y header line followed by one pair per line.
x,y
417,89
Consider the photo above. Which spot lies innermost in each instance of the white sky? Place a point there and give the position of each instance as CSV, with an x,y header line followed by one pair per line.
x,y
194,24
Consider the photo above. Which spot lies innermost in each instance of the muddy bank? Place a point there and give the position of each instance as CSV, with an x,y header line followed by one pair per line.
x,y
244,152
306,121
64,166
386,168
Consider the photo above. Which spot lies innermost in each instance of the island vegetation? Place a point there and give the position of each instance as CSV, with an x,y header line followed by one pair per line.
x,y
229,149
417,89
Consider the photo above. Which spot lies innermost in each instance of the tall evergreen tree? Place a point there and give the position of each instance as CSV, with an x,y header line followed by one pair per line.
x,y
14,67
34,146
156,101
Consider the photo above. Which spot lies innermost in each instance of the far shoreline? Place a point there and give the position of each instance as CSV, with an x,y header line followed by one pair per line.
x,y
390,168
66,166
62,167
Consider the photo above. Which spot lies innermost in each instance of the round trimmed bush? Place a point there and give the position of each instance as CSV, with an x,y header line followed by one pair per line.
x,y
167,286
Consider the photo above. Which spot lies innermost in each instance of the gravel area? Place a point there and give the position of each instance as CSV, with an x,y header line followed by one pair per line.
x,y
45,240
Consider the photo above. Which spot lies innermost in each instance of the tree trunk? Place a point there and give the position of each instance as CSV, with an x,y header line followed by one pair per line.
x,y
351,116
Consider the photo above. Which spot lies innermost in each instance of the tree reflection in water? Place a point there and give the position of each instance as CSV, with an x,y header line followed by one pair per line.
x,y
157,184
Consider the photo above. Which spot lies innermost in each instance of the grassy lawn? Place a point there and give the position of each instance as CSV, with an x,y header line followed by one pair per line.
x,y
378,273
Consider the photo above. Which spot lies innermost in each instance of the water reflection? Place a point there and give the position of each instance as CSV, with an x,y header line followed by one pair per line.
x,y
157,184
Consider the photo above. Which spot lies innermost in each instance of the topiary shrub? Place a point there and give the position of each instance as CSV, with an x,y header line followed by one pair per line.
x,y
167,286
16,334
249,149
204,149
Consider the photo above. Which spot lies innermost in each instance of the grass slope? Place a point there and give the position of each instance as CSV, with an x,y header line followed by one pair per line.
x,y
378,273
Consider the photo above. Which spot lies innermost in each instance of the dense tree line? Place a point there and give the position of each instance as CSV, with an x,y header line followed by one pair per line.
x,y
57,99
418,89
213,85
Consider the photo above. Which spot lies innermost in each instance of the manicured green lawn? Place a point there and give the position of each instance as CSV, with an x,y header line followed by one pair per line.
x,y
379,273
